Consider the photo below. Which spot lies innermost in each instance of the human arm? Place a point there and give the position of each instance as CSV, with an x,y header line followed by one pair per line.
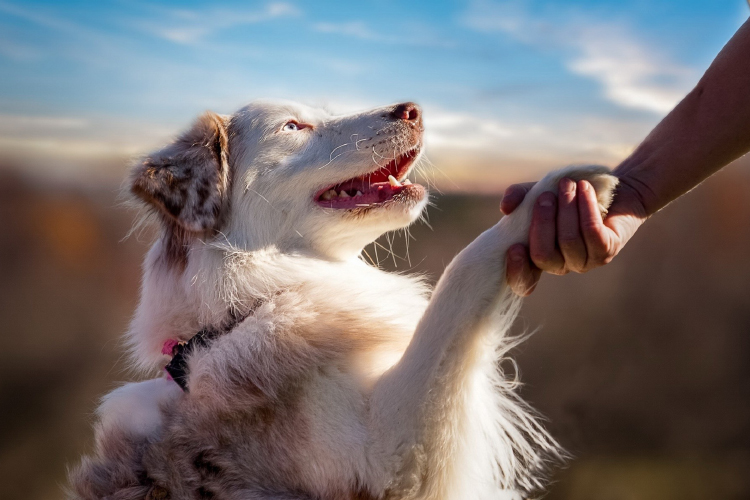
x,y
708,129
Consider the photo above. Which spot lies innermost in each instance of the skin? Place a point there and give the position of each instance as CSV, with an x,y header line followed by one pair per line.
x,y
707,130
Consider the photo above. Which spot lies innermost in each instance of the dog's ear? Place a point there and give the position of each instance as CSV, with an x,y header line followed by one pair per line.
x,y
188,181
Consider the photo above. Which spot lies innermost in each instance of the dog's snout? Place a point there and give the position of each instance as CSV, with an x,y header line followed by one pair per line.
x,y
407,111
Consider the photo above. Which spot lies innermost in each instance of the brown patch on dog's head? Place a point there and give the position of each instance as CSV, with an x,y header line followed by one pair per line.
x,y
188,182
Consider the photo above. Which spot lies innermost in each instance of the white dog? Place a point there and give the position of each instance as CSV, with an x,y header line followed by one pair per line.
x,y
297,370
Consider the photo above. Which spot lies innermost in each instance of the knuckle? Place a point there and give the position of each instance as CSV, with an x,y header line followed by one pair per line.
x,y
596,242
601,256
597,261
553,266
559,271
590,227
568,239
540,256
607,259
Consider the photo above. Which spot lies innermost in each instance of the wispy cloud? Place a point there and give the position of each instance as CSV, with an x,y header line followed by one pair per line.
x,y
51,19
17,51
450,130
37,17
472,148
356,29
418,35
185,26
23,124
632,74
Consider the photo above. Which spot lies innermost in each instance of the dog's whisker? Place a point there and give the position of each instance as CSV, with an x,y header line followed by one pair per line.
x,y
330,157
252,294
331,161
264,199
407,236
387,251
372,262
388,238
446,176
375,249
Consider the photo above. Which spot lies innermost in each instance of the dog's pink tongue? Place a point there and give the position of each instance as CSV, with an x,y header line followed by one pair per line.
x,y
168,347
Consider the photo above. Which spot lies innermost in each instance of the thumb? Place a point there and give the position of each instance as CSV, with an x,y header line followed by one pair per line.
x,y
514,195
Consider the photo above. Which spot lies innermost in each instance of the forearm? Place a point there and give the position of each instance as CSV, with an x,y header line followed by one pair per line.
x,y
707,130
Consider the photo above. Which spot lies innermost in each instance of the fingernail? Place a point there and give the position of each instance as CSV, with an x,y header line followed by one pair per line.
x,y
584,185
567,185
545,200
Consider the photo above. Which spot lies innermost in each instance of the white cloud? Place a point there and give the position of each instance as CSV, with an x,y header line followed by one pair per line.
x,y
632,74
585,139
77,137
189,27
24,124
480,152
450,130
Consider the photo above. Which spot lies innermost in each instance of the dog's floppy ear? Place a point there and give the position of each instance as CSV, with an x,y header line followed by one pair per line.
x,y
188,181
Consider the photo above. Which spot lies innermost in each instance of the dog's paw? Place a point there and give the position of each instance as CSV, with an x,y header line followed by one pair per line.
x,y
599,177
136,408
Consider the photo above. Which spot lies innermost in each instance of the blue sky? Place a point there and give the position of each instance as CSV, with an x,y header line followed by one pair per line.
x,y
510,88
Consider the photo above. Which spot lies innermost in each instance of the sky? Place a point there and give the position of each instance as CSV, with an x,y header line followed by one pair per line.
x,y
509,88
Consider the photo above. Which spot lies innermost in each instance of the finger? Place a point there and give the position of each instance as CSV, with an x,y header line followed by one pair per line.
x,y
513,196
569,236
595,233
522,275
543,235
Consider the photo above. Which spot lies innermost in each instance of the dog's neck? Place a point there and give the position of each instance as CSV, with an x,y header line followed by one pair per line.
x,y
178,301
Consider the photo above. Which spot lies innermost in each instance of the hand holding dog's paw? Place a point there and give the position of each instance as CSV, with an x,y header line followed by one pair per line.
x,y
581,228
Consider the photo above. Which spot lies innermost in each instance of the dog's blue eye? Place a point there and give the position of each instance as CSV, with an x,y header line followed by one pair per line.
x,y
291,126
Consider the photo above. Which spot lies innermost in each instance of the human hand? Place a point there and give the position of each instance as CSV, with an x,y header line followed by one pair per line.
x,y
568,232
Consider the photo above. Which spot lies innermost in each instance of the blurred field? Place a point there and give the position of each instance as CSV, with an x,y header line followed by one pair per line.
x,y
642,367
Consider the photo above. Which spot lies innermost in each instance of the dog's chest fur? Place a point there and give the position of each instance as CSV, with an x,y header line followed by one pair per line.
x,y
341,381
268,402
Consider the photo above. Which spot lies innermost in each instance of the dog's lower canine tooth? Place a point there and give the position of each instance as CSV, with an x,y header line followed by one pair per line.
x,y
392,180
358,193
344,194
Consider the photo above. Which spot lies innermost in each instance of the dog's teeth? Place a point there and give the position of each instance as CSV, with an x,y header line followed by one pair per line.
x,y
393,182
406,182
327,195
344,194
358,193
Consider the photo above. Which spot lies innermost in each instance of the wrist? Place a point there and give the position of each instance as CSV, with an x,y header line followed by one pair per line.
x,y
633,197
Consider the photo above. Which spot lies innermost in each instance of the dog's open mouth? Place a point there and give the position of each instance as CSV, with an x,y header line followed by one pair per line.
x,y
377,187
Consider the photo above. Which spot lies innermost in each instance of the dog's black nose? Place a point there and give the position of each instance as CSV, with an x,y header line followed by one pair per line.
x,y
406,111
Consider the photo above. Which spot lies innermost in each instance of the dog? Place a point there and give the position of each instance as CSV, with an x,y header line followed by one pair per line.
x,y
295,370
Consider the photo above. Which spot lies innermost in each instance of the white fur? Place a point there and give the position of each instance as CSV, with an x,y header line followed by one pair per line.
x,y
135,408
402,390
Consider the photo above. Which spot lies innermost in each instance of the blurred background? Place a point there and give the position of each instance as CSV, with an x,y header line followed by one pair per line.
x,y
642,367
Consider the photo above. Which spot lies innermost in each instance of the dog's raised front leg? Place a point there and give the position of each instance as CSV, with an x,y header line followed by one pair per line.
x,y
443,417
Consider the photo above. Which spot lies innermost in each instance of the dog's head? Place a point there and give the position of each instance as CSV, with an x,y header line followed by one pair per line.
x,y
287,175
